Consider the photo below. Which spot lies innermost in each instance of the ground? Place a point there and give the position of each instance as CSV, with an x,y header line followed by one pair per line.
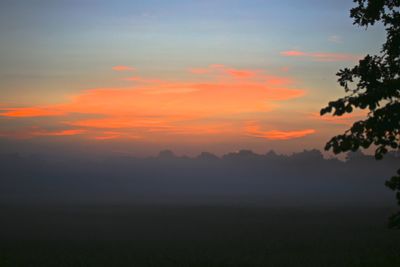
x,y
157,235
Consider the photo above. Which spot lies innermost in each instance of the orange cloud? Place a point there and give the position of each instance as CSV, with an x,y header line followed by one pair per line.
x,y
36,131
123,68
321,56
108,136
152,107
57,133
240,73
31,112
115,135
253,129
346,119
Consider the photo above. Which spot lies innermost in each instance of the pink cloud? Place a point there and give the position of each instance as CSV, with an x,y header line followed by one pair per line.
x,y
123,68
321,56
293,53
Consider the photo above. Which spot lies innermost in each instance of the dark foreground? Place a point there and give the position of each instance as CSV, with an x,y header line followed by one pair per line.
x,y
197,236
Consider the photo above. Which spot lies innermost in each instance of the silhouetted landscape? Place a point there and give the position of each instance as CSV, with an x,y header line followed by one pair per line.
x,y
241,209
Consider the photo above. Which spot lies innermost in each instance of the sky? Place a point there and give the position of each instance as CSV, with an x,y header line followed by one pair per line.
x,y
137,77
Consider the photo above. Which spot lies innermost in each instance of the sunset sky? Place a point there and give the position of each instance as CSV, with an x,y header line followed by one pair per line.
x,y
137,77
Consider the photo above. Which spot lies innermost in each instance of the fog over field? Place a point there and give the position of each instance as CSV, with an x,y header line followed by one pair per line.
x,y
243,177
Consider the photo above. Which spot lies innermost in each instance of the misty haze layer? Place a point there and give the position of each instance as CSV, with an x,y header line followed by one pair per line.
x,y
304,178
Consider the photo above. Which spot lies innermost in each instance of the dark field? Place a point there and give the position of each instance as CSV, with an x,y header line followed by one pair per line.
x,y
197,236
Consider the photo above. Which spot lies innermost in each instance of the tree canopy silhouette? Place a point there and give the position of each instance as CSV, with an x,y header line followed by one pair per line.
x,y
373,84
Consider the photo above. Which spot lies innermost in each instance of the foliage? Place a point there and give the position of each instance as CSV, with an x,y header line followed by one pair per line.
x,y
373,84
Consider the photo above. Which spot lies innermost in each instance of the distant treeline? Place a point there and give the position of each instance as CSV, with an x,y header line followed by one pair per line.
x,y
243,177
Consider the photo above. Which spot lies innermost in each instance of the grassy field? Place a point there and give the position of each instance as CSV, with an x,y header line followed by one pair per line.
x,y
196,236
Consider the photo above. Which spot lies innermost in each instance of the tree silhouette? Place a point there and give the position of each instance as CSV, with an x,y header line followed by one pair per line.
x,y
373,84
